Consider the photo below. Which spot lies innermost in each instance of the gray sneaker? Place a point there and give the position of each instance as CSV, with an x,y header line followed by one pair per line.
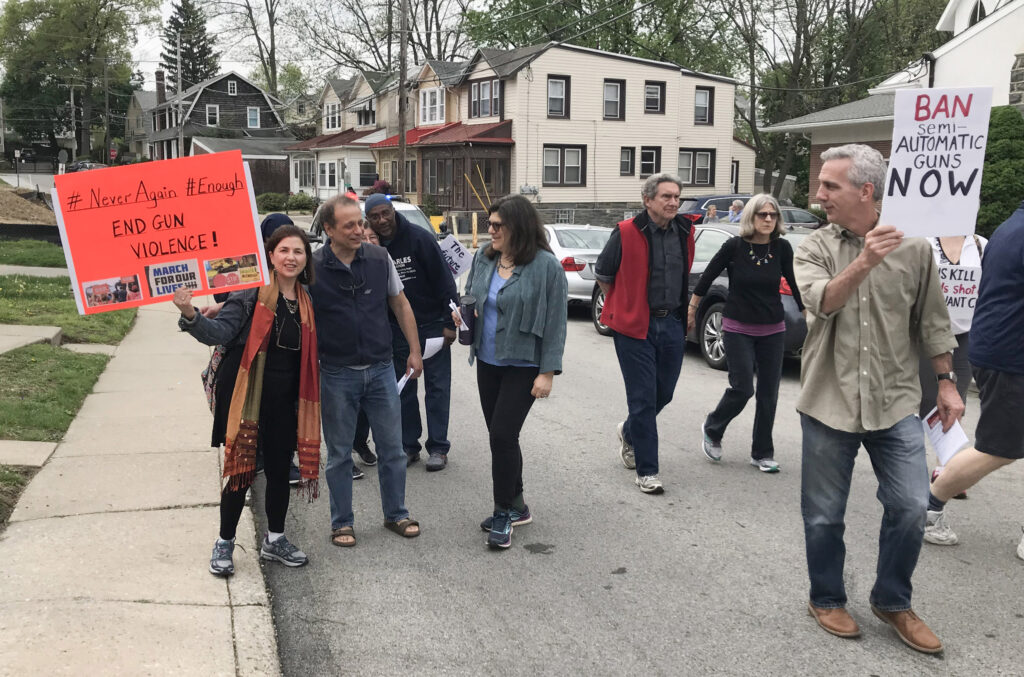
x,y
712,449
284,552
765,464
626,449
1020,546
436,461
937,532
221,562
649,484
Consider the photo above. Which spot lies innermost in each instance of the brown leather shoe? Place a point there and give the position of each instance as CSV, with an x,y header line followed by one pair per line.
x,y
837,621
911,630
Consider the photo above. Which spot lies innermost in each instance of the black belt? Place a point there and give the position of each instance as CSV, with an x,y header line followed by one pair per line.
x,y
662,313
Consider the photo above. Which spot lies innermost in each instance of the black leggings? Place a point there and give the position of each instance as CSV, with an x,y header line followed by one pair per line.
x,y
506,400
277,437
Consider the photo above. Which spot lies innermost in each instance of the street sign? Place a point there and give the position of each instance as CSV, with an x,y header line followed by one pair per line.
x,y
62,156
113,153
17,154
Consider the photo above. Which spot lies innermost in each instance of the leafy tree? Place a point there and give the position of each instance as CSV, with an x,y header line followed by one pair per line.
x,y
199,60
48,45
257,22
1002,181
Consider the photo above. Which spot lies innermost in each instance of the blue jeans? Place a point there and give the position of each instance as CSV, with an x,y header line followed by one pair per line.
x,y
650,368
746,355
897,456
437,380
342,392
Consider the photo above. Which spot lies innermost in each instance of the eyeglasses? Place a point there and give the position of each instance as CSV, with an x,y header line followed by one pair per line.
x,y
767,215
496,225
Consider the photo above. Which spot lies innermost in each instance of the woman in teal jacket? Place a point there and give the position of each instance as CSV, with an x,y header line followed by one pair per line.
x,y
519,337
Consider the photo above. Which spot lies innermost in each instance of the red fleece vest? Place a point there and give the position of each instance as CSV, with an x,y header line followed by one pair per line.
x,y
626,309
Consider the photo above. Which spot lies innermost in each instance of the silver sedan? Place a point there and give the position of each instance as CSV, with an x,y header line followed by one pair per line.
x,y
577,249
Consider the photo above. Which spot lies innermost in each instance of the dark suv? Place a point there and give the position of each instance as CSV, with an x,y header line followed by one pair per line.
x,y
694,208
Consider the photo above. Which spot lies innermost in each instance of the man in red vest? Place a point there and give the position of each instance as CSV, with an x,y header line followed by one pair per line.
x,y
643,271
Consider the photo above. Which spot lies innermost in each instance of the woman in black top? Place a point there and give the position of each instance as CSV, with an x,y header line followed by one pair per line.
x,y
753,325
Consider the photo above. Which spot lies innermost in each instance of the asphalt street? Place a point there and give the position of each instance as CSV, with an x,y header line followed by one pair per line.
x,y
708,578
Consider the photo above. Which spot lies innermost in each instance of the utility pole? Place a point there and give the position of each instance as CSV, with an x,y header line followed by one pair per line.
x,y
74,131
404,30
106,109
181,123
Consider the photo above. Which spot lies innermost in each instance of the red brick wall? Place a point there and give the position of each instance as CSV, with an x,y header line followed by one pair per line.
x,y
883,147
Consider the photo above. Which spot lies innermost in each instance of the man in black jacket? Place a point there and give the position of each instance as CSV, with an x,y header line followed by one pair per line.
x,y
429,286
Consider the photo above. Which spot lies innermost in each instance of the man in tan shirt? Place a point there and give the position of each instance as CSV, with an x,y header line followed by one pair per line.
x,y
873,302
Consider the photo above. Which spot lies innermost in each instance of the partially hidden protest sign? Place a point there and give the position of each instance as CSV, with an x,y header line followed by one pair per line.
x,y
933,184
960,287
455,255
134,234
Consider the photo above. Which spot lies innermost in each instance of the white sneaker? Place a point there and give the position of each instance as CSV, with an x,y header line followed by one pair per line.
x,y
626,449
936,530
765,464
649,484
712,449
1020,546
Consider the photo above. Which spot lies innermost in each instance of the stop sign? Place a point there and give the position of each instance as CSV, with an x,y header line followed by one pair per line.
x,y
113,153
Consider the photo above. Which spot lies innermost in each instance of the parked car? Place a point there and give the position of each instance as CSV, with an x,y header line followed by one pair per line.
x,y
577,249
695,208
28,155
707,333
82,166
794,217
410,211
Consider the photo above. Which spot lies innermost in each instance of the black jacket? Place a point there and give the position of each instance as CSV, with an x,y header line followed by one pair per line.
x,y
428,281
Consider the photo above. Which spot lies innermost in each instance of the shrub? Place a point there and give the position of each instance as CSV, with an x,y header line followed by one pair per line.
x,y
300,202
1002,182
271,202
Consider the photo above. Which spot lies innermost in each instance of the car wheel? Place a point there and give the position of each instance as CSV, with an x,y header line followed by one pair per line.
x,y
710,336
596,306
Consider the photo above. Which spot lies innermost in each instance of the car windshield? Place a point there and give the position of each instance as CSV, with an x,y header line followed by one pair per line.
x,y
580,238
687,205
415,216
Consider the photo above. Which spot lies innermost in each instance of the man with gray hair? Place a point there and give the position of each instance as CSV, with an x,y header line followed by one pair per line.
x,y
643,271
873,301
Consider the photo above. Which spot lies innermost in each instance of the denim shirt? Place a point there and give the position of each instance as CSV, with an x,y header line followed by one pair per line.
x,y
531,310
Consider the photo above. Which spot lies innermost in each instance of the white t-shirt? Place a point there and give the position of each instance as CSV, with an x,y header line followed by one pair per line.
x,y
970,257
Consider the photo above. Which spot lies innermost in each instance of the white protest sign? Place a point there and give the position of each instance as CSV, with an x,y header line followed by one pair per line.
x,y
960,287
455,255
938,149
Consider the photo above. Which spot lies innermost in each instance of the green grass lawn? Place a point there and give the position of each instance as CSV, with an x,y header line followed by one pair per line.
x,y
31,253
42,390
49,301
12,482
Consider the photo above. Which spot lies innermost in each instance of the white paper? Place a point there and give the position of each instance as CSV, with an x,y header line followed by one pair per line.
x,y
432,347
933,185
945,444
402,381
455,309
455,255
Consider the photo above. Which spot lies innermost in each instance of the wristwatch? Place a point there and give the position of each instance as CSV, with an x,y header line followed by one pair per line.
x,y
947,376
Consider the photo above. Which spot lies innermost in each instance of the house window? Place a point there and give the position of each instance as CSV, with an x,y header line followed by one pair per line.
x,y
304,170
410,176
654,97
485,99
614,99
704,107
367,173
563,216
558,96
328,175
232,87
565,166
431,106
300,108
367,115
253,115
474,100
650,160
495,97
627,161
697,166
430,177
332,116
212,115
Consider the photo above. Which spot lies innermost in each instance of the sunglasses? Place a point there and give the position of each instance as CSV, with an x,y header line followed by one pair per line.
x,y
496,225
767,215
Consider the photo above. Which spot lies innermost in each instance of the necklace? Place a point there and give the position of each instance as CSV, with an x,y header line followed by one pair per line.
x,y
758,260
504,267
292,306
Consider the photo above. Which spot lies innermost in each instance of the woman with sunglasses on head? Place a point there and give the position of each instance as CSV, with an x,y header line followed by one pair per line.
x,y
521,298
268,392
753,326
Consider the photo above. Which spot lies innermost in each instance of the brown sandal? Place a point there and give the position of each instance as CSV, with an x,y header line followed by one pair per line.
x,y
404,527
343,533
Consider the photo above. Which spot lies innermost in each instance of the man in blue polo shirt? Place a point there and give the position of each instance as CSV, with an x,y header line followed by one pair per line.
x,y
356,284
997,361
430,287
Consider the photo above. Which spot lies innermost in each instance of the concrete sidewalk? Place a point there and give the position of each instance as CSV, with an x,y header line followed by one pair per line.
x,y
105,557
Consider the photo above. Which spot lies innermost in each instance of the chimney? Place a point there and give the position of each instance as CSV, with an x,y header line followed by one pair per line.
x,y
161,91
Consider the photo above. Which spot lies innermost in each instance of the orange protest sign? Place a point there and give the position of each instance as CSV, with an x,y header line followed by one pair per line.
x,y
134,234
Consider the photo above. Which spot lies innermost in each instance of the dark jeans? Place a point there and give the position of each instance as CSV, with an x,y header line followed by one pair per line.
x,y
961,367
897,456
278,428
437,379
650,368
746,355
506,400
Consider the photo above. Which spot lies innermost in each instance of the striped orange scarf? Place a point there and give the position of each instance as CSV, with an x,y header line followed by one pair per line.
x,y
244,413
